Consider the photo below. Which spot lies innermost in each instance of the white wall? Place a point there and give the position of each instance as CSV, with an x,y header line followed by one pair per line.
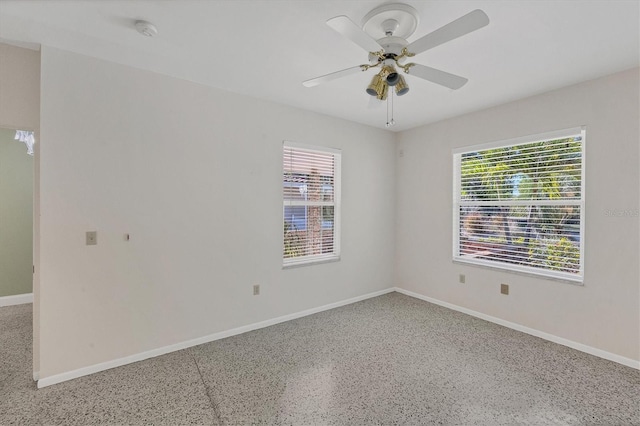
x,y
20,109
604,313
194,175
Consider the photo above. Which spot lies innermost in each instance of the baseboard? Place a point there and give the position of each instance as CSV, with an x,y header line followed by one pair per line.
x,y
36,376
541,334
18,299
62,377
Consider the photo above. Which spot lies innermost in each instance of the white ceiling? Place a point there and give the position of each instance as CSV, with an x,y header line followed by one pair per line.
x,y
266,48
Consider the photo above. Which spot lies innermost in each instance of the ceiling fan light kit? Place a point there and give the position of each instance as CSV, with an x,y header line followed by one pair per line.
x,y
375,87
384,34
401,87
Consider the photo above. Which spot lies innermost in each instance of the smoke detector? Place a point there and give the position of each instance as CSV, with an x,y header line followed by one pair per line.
x,y
145,28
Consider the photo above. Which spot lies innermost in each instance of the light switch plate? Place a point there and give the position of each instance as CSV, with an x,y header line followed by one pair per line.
x,y
92,238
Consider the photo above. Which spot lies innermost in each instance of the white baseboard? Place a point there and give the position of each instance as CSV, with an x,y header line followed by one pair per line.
x,y
550,337
36,376
62,377
18,299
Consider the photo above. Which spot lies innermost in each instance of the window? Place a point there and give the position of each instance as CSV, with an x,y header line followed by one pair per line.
x,y
311,211
519,205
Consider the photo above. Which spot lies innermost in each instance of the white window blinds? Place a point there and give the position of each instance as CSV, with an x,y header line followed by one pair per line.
x,y
519,205
311,189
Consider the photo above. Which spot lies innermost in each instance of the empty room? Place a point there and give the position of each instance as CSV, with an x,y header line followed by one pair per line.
x,y
312,212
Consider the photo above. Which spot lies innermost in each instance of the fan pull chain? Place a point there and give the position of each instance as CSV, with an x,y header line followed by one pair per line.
x,y
390,99
387,124
393,122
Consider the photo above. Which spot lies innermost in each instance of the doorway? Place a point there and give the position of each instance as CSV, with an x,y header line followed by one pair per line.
x,y
16,217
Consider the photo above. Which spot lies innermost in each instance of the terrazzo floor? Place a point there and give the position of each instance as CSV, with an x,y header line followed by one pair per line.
x,y
388,360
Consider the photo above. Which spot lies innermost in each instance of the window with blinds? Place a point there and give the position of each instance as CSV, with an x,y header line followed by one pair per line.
x,y
311,197
519,205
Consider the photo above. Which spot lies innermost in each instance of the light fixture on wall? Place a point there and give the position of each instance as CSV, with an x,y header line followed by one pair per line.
x,y
28,139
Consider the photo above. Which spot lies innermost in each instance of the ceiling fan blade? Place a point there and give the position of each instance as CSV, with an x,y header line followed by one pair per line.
x,y
332,76
433,75
464,25
353,32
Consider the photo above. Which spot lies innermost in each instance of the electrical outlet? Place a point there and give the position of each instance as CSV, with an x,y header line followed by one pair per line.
x,y
92,238
462,279
256,290
504,289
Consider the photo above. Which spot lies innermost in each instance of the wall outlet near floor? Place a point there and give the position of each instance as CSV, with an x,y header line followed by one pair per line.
x,y
462,279
256,290
92,238
504,289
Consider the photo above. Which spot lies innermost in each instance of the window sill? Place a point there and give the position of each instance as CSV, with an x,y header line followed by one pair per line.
x,y
546,275
308,261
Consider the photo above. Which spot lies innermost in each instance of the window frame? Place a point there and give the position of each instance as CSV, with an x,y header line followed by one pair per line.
x,y
457,153
334,256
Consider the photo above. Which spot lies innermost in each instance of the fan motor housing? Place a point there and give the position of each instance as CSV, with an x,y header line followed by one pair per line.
x,y
393,45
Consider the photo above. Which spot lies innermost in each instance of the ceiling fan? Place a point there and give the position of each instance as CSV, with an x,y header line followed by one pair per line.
x,y
384,34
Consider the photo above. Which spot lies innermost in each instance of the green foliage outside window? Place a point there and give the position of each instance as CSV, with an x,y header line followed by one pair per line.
x,y
522,202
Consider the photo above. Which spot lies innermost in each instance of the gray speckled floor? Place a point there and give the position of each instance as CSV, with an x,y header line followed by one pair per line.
x,y
166,390
388,360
